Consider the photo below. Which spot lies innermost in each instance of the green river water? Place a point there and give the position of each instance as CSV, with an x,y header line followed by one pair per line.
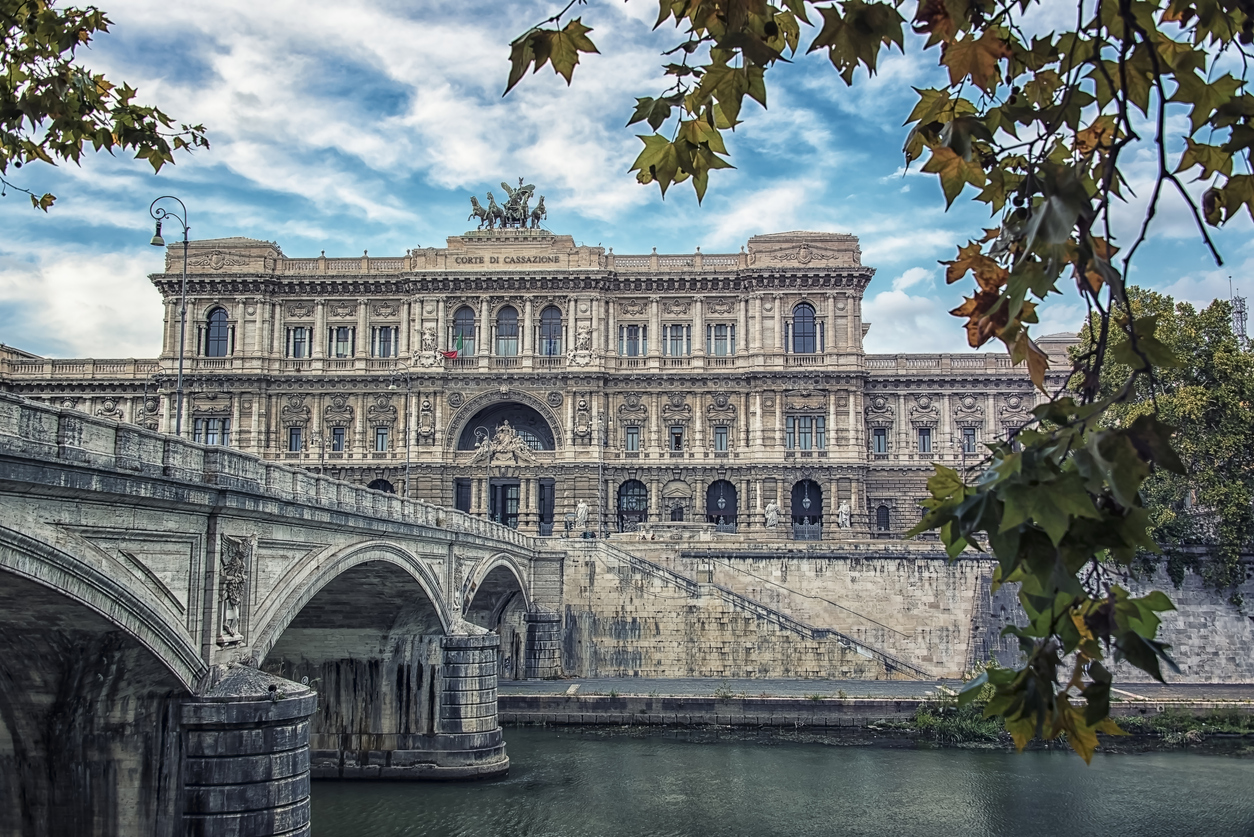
x,y
580,783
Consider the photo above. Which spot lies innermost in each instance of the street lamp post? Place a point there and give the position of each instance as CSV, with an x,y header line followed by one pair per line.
x,y
161,214
602,494
404,370
483,441
156,380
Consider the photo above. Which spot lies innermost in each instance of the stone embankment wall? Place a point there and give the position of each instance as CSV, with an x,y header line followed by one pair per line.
x,y
625,617
665,613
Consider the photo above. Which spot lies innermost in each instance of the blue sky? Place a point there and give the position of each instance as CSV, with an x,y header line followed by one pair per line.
x,y
351,126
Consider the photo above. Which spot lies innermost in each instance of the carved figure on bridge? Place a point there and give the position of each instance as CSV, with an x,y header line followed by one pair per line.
x,y
235,555
772,514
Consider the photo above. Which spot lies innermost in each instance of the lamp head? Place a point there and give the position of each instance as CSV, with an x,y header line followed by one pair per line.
x,y
392,385
157,240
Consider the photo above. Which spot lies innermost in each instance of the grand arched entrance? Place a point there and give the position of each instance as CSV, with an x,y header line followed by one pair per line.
x,y
633,505
508,500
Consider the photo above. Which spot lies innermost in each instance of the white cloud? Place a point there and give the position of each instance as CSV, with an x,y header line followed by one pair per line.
x,y
912,277
904,323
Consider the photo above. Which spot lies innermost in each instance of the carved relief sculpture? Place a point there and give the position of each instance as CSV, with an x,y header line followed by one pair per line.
x,y
236,557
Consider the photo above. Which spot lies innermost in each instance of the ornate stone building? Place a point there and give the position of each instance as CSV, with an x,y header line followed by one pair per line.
x,y
517,375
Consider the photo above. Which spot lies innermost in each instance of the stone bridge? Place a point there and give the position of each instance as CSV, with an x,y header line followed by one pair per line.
x,y
169,610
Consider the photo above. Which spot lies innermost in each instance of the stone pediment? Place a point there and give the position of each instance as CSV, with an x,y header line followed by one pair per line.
x,y
802,248
231,255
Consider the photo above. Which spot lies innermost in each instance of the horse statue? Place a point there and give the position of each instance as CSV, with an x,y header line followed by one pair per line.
x,y
538,214
477,211
516,211
495,213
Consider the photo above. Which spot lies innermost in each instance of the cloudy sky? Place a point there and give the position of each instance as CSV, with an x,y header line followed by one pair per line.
x,y
352,126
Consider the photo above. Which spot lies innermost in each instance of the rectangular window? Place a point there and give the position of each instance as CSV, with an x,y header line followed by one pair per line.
x,y
212,431
968,440
677,340
633,341
633,438
341,341
879,440
298,342
295,442
380,439
720,437
677,438
925,440
384,341
461,495
337,439
720,340
805,433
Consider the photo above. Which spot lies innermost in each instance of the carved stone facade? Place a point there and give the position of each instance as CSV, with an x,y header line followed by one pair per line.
x,y
695,389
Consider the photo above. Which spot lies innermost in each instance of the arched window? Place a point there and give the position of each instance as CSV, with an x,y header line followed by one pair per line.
x,y
507,332
382,485
804,333
463,337
551,331
633,505
218,334
882,518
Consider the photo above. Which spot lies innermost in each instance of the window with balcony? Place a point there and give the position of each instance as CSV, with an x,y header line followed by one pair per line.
x,y
633,340
212,431
879,440
337,439
341,340
676,437
462,338
631,442
380,439
383,341
551,331
677,340
805,433
507,332
925,440
218,334
295,439
721,436
720,340
298,342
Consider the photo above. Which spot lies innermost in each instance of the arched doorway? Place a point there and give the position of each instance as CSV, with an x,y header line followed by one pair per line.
x,y
381,485
633,505
526,422
807,511
720,506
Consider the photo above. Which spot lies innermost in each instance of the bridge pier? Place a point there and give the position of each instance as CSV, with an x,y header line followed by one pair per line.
x,y
544,645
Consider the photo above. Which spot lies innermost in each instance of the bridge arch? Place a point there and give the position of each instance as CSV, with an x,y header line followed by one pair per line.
x,y
498,600
316,576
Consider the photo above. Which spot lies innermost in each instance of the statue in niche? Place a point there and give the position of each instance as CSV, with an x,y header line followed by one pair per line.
x,y
235,554
581,515
428,338
842,515
772,514
583,338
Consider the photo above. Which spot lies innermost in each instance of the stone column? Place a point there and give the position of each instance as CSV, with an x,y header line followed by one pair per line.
x,y
406,331
246,757
779,323
655,327
442,337
572,329
698,327
543,645
527,339
485,329
320,329
362,349
742,339
611,347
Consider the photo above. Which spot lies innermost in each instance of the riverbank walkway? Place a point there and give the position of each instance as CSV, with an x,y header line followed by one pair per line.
x,y
881,689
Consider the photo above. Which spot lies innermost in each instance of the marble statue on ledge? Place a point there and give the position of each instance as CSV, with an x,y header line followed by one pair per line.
x,y
581,515
772,514
842,515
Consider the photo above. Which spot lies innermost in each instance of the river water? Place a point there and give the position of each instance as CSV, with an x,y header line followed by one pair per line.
x,y
581,783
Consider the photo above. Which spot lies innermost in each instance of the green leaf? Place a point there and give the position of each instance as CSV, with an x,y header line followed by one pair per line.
x,y
1205,97
1051,505
954,172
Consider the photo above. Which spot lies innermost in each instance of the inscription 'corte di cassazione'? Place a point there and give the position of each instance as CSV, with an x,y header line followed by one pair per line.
x,y
507,260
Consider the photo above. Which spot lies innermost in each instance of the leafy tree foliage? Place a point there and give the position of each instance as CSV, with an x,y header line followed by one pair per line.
x,y
53,109
1033,122
1203,519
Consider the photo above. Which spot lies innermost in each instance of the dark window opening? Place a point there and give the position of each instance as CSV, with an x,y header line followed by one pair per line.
x,y
551,332
804,334
507,332
337,439
879,440
218,335
677,438
295,439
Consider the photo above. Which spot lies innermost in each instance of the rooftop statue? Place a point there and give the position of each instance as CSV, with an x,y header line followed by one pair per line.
x,y
517,212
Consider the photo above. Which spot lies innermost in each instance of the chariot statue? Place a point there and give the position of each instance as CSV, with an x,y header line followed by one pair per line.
x,y
517,212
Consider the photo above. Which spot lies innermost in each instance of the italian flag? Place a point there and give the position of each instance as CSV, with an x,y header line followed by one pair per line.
x,y
453,354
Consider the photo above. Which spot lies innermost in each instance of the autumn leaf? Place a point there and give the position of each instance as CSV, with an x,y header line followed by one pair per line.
x,y
954,172
975,58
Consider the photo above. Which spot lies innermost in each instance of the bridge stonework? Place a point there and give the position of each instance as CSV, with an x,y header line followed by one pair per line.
x,y
168,612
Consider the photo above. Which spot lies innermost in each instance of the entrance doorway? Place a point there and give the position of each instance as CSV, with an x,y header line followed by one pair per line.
x,y
503,502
